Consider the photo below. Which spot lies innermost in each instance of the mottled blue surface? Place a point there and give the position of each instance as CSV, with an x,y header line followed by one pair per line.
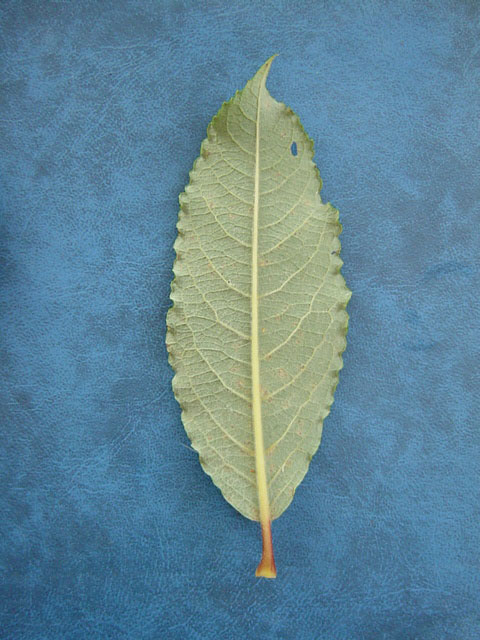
x,y
109,527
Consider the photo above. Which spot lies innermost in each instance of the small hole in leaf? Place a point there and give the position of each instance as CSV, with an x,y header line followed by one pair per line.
x,y
293,149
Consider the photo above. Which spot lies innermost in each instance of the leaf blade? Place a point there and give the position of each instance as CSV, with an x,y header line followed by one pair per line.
x,y
259,321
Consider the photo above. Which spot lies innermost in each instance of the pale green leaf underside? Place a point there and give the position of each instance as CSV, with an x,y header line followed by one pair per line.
x,y
301,301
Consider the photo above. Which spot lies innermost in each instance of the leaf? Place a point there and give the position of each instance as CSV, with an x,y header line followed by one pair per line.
x,y
258,324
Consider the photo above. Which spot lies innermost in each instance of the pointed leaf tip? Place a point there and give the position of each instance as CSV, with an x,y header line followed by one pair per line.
x,y
264,70
271,59
266,66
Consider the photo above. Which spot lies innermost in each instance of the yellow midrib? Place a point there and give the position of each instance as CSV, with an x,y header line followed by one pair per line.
x,y
260,463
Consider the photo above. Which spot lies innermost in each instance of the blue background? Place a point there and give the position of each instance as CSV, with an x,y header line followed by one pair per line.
x,y
109,527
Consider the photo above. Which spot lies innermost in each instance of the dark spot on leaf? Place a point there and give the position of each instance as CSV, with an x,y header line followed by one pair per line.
x,y
293,149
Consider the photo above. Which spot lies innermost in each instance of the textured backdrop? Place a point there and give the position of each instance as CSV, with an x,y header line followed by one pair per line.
x,y
109,527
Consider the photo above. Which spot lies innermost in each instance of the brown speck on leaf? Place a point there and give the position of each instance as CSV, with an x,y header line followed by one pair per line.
x,y
265,394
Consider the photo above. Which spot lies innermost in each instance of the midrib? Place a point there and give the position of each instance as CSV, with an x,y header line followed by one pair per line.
x,y
260,464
